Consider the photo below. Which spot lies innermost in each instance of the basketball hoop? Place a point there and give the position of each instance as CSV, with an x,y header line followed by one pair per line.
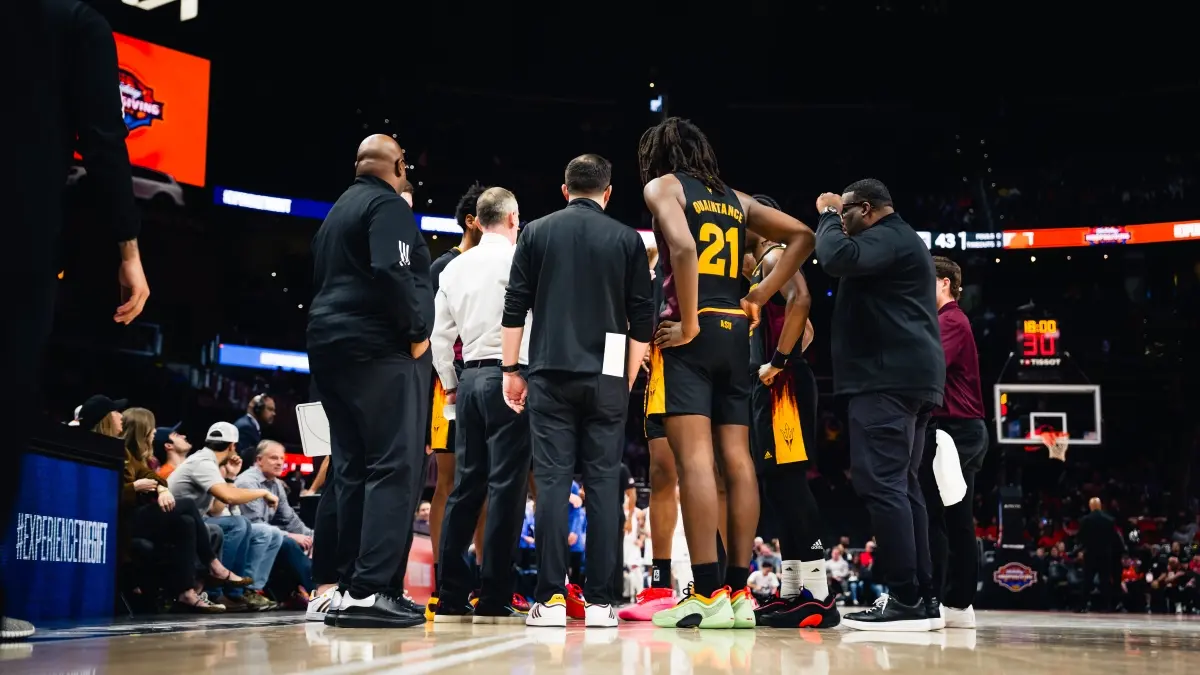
x,y
1057,444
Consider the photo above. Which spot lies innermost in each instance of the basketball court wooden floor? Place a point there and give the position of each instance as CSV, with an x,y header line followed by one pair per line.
x,y
1005,642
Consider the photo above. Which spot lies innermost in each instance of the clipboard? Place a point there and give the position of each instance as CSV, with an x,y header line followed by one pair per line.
x,y
314,429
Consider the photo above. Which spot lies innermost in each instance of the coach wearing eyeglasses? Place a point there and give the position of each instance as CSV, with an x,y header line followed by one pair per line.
x,y
888,364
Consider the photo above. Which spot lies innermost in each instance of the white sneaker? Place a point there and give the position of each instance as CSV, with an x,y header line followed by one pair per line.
x,y
599,616
549,614
959,618
14,629
320,605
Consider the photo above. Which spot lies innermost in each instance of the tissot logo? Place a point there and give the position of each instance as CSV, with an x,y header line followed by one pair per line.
x,y
188,9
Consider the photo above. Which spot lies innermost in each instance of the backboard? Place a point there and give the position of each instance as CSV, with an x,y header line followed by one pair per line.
x,y
1024,411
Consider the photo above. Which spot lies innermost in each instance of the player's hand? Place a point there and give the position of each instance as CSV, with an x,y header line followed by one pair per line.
x,y
452,397
134,290
829,199
753,311
514,391
418,348
767,373
428,449
672,334
646,361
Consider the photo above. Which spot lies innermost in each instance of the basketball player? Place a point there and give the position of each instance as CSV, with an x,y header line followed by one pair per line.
x,y
783,410
704,388
441,430
664,491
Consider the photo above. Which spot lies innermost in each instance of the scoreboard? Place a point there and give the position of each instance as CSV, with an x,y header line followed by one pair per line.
x,y
1038,343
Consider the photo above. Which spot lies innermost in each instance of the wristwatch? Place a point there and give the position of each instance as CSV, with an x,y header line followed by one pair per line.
x,y
831,209
514,368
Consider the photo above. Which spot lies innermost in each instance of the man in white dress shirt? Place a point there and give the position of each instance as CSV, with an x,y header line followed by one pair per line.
x,y
493,449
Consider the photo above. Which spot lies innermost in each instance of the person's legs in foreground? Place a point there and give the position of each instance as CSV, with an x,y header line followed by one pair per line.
x,y
743,508
457,579
552,430
882,428
444,459
784,429
602,429
916,500
952,528
707,606
508,457
265,541
380,407
664,516
22,343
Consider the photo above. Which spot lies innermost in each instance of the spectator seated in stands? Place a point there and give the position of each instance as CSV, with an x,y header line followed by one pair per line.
x,y
297,540
265,540
171,448
763,582
200,479
174,526
260,412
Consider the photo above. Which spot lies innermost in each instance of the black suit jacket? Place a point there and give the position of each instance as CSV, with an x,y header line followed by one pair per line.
x,y
249,436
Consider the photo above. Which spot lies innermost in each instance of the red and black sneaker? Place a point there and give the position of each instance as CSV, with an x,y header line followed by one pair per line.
x,y
803,611
519,603
576,606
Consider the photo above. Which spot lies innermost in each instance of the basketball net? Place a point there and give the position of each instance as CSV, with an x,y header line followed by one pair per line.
x,y
1057,444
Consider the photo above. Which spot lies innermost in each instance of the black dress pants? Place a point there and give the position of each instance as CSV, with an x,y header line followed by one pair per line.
x,y
492,455
325,535
22,344
577,417
377,411
887,436
952,547
1101,570
182,537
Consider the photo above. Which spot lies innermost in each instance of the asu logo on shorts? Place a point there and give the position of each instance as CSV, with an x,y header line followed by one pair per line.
x,y
439,432
140,107
785,422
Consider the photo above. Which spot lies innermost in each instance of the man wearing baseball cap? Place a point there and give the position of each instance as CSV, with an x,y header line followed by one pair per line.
x,y
171,449
199,478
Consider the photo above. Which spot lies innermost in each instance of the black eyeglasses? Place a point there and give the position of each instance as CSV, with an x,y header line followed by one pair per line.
x,y
846,207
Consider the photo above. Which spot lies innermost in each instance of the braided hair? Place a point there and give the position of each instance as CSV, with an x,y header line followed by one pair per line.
x,y
677,145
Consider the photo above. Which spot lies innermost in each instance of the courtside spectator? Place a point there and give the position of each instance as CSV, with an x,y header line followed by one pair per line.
x,y
297,537
171,448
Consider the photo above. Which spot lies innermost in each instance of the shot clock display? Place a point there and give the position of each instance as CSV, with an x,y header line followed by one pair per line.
x,y
1038,343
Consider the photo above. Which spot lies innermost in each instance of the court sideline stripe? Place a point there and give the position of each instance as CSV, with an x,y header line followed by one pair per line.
x,y
399,659
460,658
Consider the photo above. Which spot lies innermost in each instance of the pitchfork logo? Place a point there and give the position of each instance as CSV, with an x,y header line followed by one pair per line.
x,y
138,102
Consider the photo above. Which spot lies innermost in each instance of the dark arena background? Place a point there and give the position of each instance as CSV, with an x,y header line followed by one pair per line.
x,y
1061,171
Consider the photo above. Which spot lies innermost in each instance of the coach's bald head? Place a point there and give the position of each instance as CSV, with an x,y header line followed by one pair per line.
x,y
1094,504
381,156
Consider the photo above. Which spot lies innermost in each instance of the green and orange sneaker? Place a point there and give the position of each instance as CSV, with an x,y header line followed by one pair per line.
x,y
743,604
698,611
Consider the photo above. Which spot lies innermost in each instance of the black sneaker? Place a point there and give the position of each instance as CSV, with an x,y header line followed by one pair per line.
x,y
505,614
802,611
449,611
376,611
933,610
889,614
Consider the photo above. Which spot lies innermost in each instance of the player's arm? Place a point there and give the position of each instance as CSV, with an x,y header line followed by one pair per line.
x,y
777,226
799,303
664,197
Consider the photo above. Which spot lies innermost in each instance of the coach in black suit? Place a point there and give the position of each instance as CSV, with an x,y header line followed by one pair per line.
x,y
368,338
587,280
889,366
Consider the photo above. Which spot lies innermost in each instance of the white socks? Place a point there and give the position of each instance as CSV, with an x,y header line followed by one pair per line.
x,y
808,574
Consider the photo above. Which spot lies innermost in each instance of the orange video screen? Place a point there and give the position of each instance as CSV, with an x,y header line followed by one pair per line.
x,y
1073,237
164,94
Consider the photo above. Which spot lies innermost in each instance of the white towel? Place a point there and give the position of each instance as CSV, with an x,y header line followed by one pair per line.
x,y
947,471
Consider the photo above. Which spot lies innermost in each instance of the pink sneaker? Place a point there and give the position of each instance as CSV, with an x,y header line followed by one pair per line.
x,y
649,601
